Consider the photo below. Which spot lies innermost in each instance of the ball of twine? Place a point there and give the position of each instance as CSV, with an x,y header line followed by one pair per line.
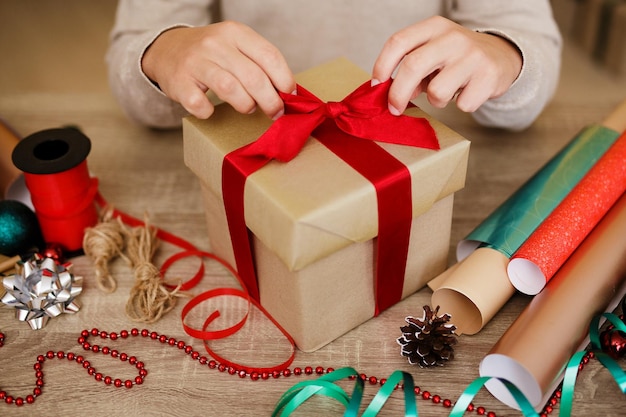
x,y
149,298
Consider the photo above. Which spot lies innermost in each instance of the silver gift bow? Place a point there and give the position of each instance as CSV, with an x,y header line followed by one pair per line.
x,y
43,289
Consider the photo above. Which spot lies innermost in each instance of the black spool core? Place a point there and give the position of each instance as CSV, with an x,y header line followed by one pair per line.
x,y
51,151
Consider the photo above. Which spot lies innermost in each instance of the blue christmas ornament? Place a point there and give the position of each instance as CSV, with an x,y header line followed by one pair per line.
x,y
19,229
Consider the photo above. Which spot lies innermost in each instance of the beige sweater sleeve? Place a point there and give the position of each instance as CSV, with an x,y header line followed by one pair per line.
x,y
528,24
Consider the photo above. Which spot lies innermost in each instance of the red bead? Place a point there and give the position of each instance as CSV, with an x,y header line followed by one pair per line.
x,y
195,355
91,371
19,401
553,401
118,382
50,354
171,341
124,334
139,365
188,349
373,380
491,414
436,399
162,338
84,333
308,370
38,366
30,399
37,391
447,403
8,399
134,332
426,395
105,350
113,336
123,357
363,377
138,380
60,354
212,364
180,344
81,340
470,407
319,370
98,376
481,411
79,359
103,335
108,380
70,356
3,395
86,364
242,374
154,335
143,373
132,360
39,383
86,346
254,376
329,370
286,372
276,374
95,348
548,409
41,358
128,383
39,374
115,353
231,370
417,390
94,332
145,332
297,371
265,375
203,360
221,367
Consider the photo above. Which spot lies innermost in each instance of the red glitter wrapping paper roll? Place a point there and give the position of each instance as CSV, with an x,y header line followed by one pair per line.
x,y
54,162
558,236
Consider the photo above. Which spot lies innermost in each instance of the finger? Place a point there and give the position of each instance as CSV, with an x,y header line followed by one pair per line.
x,y
192,97
403,42
445,85
472,96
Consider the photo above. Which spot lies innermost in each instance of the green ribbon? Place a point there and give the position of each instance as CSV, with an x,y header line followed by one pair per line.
x,y
326,386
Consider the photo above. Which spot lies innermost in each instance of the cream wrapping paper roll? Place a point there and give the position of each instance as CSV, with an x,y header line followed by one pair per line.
x,y
590,282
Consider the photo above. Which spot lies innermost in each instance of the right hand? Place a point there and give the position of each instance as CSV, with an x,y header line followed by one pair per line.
x,y
240,66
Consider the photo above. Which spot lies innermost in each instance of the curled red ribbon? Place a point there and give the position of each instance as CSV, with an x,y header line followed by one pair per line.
x,y
342,127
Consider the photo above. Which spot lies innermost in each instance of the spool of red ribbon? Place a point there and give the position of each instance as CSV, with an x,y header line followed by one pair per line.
x,y
54,162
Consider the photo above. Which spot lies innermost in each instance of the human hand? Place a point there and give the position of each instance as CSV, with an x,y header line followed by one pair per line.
x,y
444,59
229,58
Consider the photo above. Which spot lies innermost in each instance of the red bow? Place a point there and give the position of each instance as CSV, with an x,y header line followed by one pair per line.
x,y
364,114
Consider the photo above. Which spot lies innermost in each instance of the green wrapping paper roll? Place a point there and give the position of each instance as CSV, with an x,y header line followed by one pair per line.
x,y
517,218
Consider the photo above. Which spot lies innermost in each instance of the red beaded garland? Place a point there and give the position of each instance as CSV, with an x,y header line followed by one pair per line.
x,y
211,364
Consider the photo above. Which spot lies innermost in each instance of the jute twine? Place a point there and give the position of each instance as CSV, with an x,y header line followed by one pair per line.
x,y
149,298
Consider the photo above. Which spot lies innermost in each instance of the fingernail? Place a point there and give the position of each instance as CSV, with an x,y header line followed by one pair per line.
x,y
253,110
277,115
394,111
374,82
294,92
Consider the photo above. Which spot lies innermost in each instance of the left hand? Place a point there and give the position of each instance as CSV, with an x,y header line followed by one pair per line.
x,y
445,60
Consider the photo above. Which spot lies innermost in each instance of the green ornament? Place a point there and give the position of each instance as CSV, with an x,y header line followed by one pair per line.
x,y
19,228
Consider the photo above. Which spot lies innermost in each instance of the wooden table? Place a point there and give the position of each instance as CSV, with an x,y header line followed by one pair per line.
x,y
142,172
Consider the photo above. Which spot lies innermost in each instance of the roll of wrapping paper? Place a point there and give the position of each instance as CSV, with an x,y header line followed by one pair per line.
x,y
54,162
479,286
8,171
534,351
543,253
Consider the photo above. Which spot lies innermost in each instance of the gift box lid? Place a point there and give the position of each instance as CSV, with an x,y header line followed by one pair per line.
x,y
317,204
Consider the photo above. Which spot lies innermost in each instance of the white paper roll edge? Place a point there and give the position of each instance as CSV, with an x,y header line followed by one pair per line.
x,y
526,276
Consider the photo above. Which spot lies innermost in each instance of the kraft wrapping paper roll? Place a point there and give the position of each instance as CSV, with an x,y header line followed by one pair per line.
x,y
543,253
592,281
480,286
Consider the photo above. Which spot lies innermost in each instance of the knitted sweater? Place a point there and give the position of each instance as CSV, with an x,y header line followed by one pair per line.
x,y
311,32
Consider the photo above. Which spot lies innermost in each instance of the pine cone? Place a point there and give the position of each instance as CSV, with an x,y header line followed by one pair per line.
x,y
429,341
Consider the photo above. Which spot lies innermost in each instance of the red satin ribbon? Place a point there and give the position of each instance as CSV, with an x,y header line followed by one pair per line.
x,y
340,126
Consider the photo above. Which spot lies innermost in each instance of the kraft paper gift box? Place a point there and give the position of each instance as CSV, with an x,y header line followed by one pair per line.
x,y
313,220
